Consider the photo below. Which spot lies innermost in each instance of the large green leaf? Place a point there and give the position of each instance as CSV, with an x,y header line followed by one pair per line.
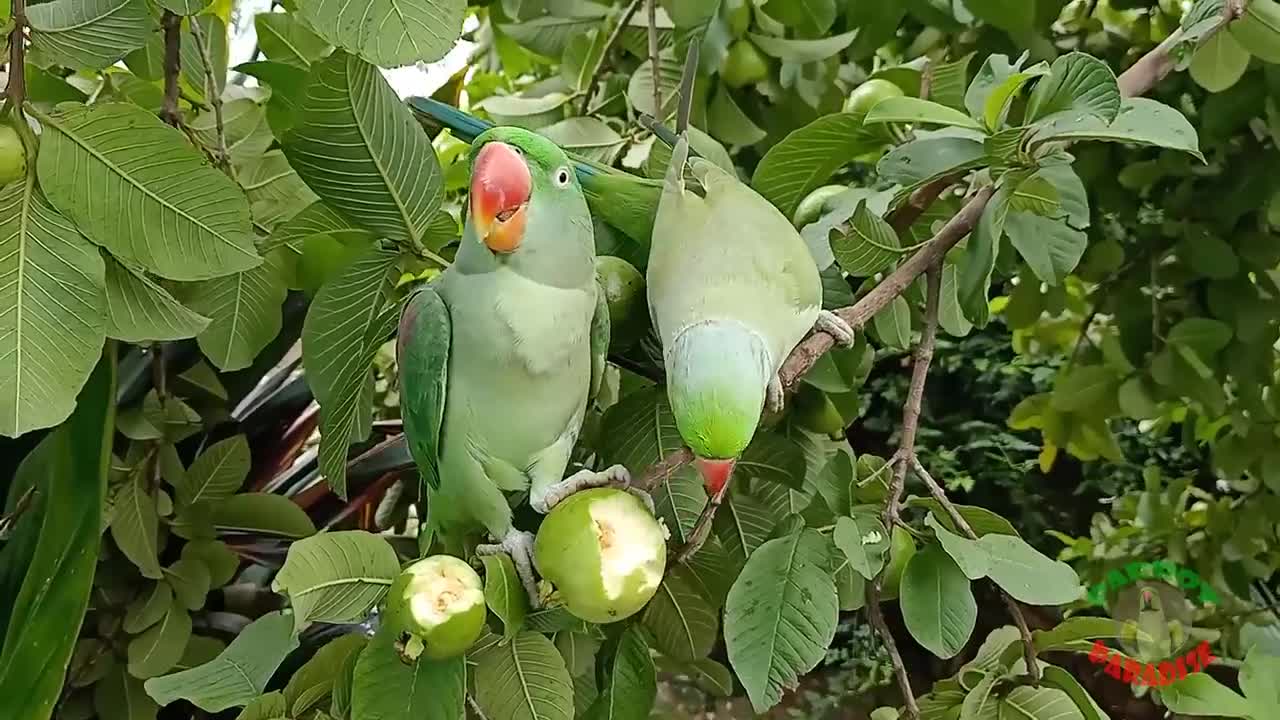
x,y
52,319
263,512
243,311
336,577
140,310
1219,63
743,524
681,620
979,259
780,615
869,246
314,682
217,473
937,602
160,647
359,148
135,524
88,34
863,540
390,33
148,608
504,594
1011,563
630,685
1140,121
812,17
119,696
587,136
803,51
1051,248
1039,703
807,157
349,319
915,110
1077,84
238,674
384,687
156,202
51,603
285,37
525,679
930,157
1258,31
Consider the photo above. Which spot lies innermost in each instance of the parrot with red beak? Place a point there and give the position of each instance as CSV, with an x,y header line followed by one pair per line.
x,y
500,355
732,290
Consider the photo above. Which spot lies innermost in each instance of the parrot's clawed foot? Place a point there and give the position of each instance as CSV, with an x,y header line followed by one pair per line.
x,y
519,545
615,476
831,324
774,396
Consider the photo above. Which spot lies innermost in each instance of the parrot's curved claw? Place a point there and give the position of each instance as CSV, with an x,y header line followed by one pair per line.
x,y
519,545
616,476
775,397
833,325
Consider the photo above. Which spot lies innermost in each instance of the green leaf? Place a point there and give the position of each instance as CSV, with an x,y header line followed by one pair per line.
x,y
160,647
1258,32
313,683
243,311
1055,677
217,473
1205,336
1077,83
1039,703
271,706
863,540
743,524
359,148
869,246
135,524
389,33
915,110
1071,194
1085,387
979,259
216,556
630,685
927,158
811,17
147,609
530,113
802,51
579,652
274,190
1141,121
587,136
336,577
504,594
525,679
238,674
1051,248
120,696
263,512
784,598
683,624
140,310
1219,63
937,602
1001,96
52,319
190,579
728,123
146,177
893,324
1036,195
384,687
349,319
981,520
87,34
639,431
806,158
285,37
39,638
773,457
950,80
1260,680
1200,694
244,125
950,315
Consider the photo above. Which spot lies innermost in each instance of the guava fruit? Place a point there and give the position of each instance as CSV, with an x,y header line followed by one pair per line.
x,y
604,552
623,287
865,96
13,156
437,607
743,65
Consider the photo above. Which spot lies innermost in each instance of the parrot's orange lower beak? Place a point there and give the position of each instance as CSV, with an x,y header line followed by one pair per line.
x,y
500,188
715,473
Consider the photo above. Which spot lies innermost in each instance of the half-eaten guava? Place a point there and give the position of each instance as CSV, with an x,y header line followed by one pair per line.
x,y
436,607
604,552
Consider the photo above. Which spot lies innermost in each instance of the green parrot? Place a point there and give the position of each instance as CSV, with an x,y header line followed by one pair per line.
x,y
1154,633
732,290
500,354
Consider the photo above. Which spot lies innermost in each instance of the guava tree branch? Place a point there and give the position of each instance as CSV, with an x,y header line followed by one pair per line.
x,y
172,24
655,66
16,91
215,98
604,53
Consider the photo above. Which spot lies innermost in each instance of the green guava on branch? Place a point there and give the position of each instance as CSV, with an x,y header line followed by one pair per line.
x,y
437,607
13,156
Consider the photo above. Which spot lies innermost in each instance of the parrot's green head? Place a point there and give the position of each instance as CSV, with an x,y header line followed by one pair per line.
x,y
526,210
717,372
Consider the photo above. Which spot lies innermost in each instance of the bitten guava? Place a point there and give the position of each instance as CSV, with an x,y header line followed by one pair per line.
x,y
13,156
437,607
604,552
865,96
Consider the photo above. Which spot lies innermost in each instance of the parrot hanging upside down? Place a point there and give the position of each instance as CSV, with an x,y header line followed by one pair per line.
x,y
732,290
500,355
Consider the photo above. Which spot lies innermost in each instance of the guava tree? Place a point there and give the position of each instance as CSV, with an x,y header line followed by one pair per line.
x,y
193,253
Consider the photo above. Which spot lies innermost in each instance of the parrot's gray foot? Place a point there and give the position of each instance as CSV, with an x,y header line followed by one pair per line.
x,y
616,476
831,324
774,395
519,545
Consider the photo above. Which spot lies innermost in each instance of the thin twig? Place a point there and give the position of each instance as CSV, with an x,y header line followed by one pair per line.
x,y
7,522
906,214
910,709
653,59
172,24
16,91
604,53
214,97
701,528
1015,610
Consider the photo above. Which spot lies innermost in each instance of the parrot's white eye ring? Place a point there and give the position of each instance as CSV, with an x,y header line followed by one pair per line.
x,y
562,177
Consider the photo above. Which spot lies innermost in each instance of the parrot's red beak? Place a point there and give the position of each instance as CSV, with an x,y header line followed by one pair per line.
x,y
715,473
500,188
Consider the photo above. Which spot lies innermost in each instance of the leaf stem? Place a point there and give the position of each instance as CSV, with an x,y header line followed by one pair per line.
x,y
214,97
172,25
16,91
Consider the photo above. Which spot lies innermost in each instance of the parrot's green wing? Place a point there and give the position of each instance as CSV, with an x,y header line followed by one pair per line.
x,y
600,331
422,356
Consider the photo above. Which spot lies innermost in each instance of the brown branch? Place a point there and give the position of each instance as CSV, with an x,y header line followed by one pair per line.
x,y
661,471
1015,610
653,59
213,96
911,711
604,53
172,25
16,91
906,215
